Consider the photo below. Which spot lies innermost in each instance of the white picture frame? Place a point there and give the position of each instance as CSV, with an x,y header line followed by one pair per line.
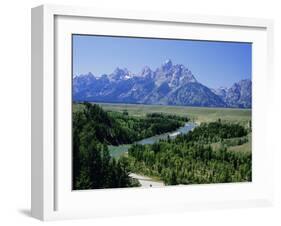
x,y
52,197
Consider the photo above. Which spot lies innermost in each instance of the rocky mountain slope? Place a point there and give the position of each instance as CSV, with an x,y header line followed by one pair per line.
x,y
172,84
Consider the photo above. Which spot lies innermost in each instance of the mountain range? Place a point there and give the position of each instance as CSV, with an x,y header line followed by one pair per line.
x,y
169,84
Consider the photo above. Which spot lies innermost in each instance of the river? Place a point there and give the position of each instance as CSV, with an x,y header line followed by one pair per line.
x,y
145,181
117,151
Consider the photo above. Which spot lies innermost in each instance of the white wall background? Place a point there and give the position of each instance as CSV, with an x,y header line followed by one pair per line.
x,y
15,111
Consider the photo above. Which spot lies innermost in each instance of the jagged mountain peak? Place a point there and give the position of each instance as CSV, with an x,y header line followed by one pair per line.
x,y
245,82
84,78
173,74
238,95
120,74
172,84
120,70
167,65
146,72
89,74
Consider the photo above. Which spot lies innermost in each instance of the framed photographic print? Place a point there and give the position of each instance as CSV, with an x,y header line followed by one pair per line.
x,y
137,112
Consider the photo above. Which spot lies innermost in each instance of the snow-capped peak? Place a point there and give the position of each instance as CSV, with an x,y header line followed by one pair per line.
x,y
120,74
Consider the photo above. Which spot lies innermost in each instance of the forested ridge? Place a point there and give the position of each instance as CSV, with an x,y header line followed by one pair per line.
x,y
190,159
213,132
94,129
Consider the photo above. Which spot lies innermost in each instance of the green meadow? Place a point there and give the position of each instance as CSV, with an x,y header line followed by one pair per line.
x,y
196,114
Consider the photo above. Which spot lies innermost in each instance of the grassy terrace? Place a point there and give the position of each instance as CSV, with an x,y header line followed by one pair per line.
x,y
197,114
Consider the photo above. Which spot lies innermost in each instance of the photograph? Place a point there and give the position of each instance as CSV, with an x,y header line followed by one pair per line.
x,y
154,112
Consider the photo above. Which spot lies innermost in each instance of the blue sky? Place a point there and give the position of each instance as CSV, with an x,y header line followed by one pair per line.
x,y
214,64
